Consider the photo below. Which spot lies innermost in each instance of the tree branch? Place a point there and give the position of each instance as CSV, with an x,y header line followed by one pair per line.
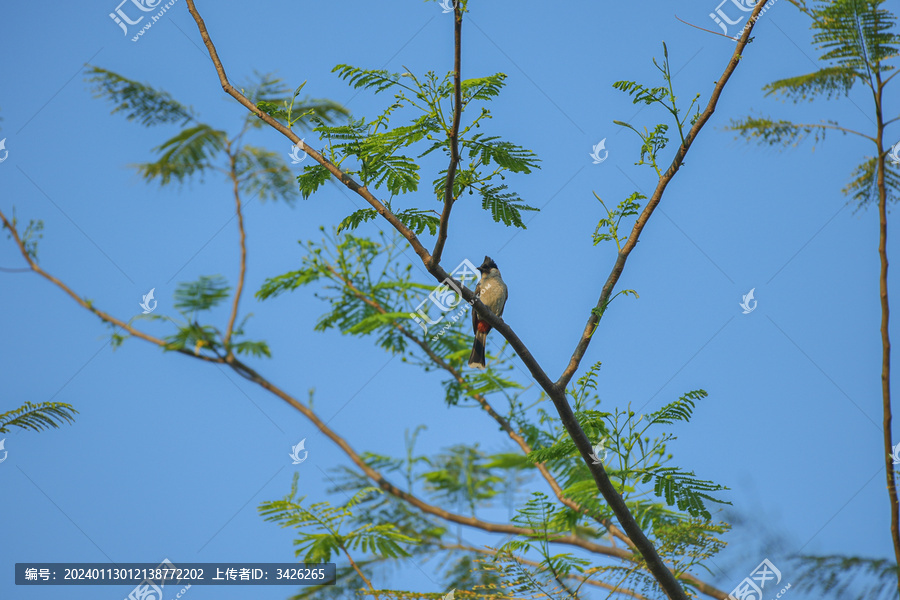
x,y
555,390
454,136
360,573
885,326
334,170
232,173
655,564
106,317
831,126
661,186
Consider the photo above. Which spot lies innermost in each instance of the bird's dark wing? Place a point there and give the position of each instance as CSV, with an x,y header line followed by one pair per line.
x,y
474,316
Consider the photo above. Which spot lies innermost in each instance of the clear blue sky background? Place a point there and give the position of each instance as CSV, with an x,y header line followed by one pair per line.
x,y
170,457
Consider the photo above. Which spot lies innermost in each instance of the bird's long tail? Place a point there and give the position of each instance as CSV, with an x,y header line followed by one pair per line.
x,y
476,359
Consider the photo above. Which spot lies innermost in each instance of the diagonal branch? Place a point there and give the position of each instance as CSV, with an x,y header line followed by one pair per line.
x,y
655,564
454,136
106,317
661,186
333,169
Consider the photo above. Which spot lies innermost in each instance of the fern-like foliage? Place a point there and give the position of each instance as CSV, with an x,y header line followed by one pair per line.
x,y
189,152
608,226
138,101
198,148
857,35
654,141
828,82
780,132
37,417
264,174
200,295
847,577
269,93
374,150
857,40
863,186
321,532
462,476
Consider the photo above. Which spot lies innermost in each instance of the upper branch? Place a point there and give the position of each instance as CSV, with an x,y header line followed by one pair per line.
x,y
454,136
661,186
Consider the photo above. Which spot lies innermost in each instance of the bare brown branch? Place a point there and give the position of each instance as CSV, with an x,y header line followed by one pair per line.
x,y
885,323
454,136
232,173
104,316
661,186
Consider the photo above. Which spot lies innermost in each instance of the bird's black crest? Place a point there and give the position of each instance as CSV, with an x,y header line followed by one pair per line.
x,y
487,265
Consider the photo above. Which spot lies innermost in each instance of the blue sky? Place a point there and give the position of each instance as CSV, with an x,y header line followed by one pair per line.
x,y
169,457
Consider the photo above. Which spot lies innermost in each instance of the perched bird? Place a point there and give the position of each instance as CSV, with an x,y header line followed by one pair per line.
x,y
493,293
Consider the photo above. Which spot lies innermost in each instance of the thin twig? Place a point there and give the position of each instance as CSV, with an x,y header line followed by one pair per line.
x,y
661,186
359,572
232,173
106,317
531,563
454,135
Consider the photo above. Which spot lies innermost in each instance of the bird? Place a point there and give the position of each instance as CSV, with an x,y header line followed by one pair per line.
x,y
493,293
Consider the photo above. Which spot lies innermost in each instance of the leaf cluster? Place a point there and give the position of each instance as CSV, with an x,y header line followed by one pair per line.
x,y
383,155
37,417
